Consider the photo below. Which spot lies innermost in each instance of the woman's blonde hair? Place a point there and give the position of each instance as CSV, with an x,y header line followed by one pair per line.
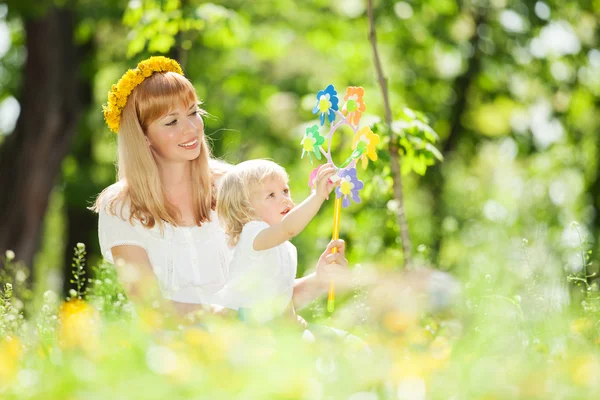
x,y
137,168
235,190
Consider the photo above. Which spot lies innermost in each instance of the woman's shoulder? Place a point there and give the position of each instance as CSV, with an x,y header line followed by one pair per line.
x,y
109,197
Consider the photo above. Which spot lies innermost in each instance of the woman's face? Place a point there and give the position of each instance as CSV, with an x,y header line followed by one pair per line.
x,y
176,136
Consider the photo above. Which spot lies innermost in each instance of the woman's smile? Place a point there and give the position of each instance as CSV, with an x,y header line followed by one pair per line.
x,y
192,144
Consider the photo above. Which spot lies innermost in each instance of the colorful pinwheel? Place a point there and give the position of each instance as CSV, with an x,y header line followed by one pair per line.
x,y
364,146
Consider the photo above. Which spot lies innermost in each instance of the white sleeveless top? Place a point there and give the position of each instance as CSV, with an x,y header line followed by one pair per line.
x,y
262,281
190,263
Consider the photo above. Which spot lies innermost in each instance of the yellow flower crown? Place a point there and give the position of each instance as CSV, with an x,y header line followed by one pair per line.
x,y
118,94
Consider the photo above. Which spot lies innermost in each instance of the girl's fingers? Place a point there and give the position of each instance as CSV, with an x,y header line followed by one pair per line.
x,y
325,174
325,168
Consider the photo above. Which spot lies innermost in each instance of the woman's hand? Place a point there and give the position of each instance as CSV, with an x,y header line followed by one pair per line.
x,y
331,267
334,266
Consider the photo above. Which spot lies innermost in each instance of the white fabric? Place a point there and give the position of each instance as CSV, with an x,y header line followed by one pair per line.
x,y
190,263
260,280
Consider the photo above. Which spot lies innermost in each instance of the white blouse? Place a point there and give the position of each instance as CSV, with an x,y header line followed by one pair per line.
x,y
190,263
262,281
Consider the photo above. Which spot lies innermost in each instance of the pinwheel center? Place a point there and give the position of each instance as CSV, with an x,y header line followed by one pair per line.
x,y
346,187
351,105
324,104
308,143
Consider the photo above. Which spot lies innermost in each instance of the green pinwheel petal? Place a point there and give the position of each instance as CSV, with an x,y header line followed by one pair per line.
x,y
317,152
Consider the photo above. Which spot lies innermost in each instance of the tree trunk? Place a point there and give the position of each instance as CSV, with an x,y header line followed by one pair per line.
x,y
30,158
80,188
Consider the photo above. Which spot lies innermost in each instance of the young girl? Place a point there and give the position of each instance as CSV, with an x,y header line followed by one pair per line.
x,y
258,215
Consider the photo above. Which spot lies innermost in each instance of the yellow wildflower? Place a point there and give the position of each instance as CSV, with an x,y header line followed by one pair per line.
x,y
585,371
79,325
10,356
581,326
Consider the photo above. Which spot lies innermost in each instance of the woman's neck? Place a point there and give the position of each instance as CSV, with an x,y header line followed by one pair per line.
x,y
174,176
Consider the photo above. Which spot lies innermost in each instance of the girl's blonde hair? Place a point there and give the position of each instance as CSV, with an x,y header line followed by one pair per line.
x,y
137,168
235,190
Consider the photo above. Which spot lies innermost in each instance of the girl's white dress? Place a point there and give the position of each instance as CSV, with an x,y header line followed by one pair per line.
x,y
261,281
190,263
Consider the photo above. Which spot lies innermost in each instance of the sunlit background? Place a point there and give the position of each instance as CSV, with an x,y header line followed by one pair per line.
x,y
512,88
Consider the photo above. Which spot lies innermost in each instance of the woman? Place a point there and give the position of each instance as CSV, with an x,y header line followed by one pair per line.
x,y
158,222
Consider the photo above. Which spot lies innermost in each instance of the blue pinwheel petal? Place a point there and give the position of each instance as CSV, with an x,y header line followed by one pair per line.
x,y
334,102
316,109
322,118
355,197
345,202
338,192
331,115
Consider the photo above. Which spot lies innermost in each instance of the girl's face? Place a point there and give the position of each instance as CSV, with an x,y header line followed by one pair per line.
x,y
272,200
176,136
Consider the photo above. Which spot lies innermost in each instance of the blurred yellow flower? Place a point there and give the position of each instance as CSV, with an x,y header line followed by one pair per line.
x,y
585,371
10,356
581,325
151,319
396,321
79,325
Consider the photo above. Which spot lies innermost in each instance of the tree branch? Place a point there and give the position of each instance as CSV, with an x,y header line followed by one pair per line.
x,y
395,161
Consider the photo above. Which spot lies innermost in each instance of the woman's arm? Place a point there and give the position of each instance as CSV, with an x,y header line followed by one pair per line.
x,y
331,267
141,286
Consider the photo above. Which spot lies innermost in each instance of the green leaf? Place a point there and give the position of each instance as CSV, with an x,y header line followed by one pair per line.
x,y
136,46
161,43
434,151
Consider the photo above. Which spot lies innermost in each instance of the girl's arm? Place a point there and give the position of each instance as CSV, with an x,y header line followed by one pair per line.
x,y
297,219
291,225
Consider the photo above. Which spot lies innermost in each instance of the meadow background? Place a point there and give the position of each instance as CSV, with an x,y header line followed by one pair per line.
x,y
500,299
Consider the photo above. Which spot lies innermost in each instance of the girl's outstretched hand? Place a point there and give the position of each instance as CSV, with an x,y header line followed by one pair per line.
x,y
323,184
